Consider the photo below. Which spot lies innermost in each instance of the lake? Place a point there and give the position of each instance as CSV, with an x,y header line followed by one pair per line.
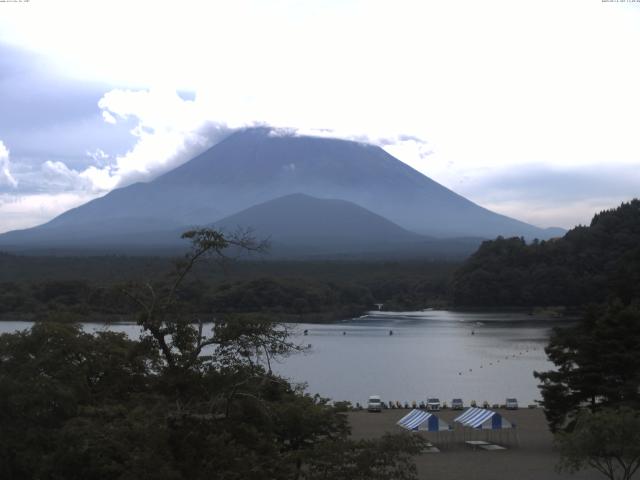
x,y
435,353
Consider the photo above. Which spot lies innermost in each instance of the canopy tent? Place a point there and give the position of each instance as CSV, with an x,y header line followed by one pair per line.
x,y
419,420
480,419
483,419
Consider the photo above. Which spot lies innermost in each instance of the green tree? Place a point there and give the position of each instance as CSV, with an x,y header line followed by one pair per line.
x,y
608,440
598,365
389,457
589,264
54,374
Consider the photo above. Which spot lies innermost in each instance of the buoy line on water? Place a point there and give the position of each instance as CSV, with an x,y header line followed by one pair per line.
x,y
460,373
514,355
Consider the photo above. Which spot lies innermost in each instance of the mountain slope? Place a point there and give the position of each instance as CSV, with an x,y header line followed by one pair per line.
x,y
302,224
301,218
255,165
297,226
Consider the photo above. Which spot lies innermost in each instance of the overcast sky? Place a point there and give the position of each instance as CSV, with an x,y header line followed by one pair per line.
x,y
529,108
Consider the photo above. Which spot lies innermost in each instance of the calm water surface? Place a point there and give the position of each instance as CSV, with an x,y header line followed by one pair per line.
x,y
445,354
480,356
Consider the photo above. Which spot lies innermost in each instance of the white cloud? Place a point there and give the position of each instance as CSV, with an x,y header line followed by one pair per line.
x,y
108,117
490,85
171,130
57,174
477,79
99,156
549,214
168,131
553,196
24,211
6,178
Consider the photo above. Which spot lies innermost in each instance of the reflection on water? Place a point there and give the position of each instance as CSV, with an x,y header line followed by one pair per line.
x,y
445,354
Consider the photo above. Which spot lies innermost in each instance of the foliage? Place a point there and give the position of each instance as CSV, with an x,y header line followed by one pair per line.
x,y
365,459
179,403
295,291
54,374
608,440
598,364
589,264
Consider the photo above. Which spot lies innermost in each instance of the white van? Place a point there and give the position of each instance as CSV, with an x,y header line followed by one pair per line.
x,y
511,404
374,404
433,404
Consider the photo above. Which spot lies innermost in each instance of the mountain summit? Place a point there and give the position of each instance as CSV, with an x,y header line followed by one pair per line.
x,y
255,165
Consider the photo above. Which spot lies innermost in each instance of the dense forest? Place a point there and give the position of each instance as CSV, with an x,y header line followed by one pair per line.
x,y
590,264
92,288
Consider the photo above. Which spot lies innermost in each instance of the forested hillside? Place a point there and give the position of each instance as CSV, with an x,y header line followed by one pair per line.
x,y
91,288
590,264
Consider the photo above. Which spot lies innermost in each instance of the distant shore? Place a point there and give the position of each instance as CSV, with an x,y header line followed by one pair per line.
x,y
327,317
106,318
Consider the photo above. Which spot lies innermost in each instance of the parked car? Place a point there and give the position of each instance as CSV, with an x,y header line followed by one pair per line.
x,y
433,404
511,404
374,404
456,404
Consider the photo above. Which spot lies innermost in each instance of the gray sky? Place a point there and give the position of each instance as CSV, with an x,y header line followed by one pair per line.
x,y
527,108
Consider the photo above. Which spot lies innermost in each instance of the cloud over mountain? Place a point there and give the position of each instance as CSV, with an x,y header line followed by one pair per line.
x,y
256,165
484,104
6,178
169,130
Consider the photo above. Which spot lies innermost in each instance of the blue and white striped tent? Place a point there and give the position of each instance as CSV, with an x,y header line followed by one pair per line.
x,y
419,420
483,419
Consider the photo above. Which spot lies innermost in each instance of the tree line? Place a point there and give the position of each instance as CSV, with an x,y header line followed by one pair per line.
x,y
301,294
590,264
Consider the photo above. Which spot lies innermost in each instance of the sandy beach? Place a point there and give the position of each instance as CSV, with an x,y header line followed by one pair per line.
x,y
532,458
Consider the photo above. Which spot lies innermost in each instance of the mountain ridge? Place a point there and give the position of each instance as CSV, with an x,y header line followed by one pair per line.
x,y
253,166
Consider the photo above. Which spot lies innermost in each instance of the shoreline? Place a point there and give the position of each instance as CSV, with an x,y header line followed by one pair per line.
x,y
537,314
533,458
